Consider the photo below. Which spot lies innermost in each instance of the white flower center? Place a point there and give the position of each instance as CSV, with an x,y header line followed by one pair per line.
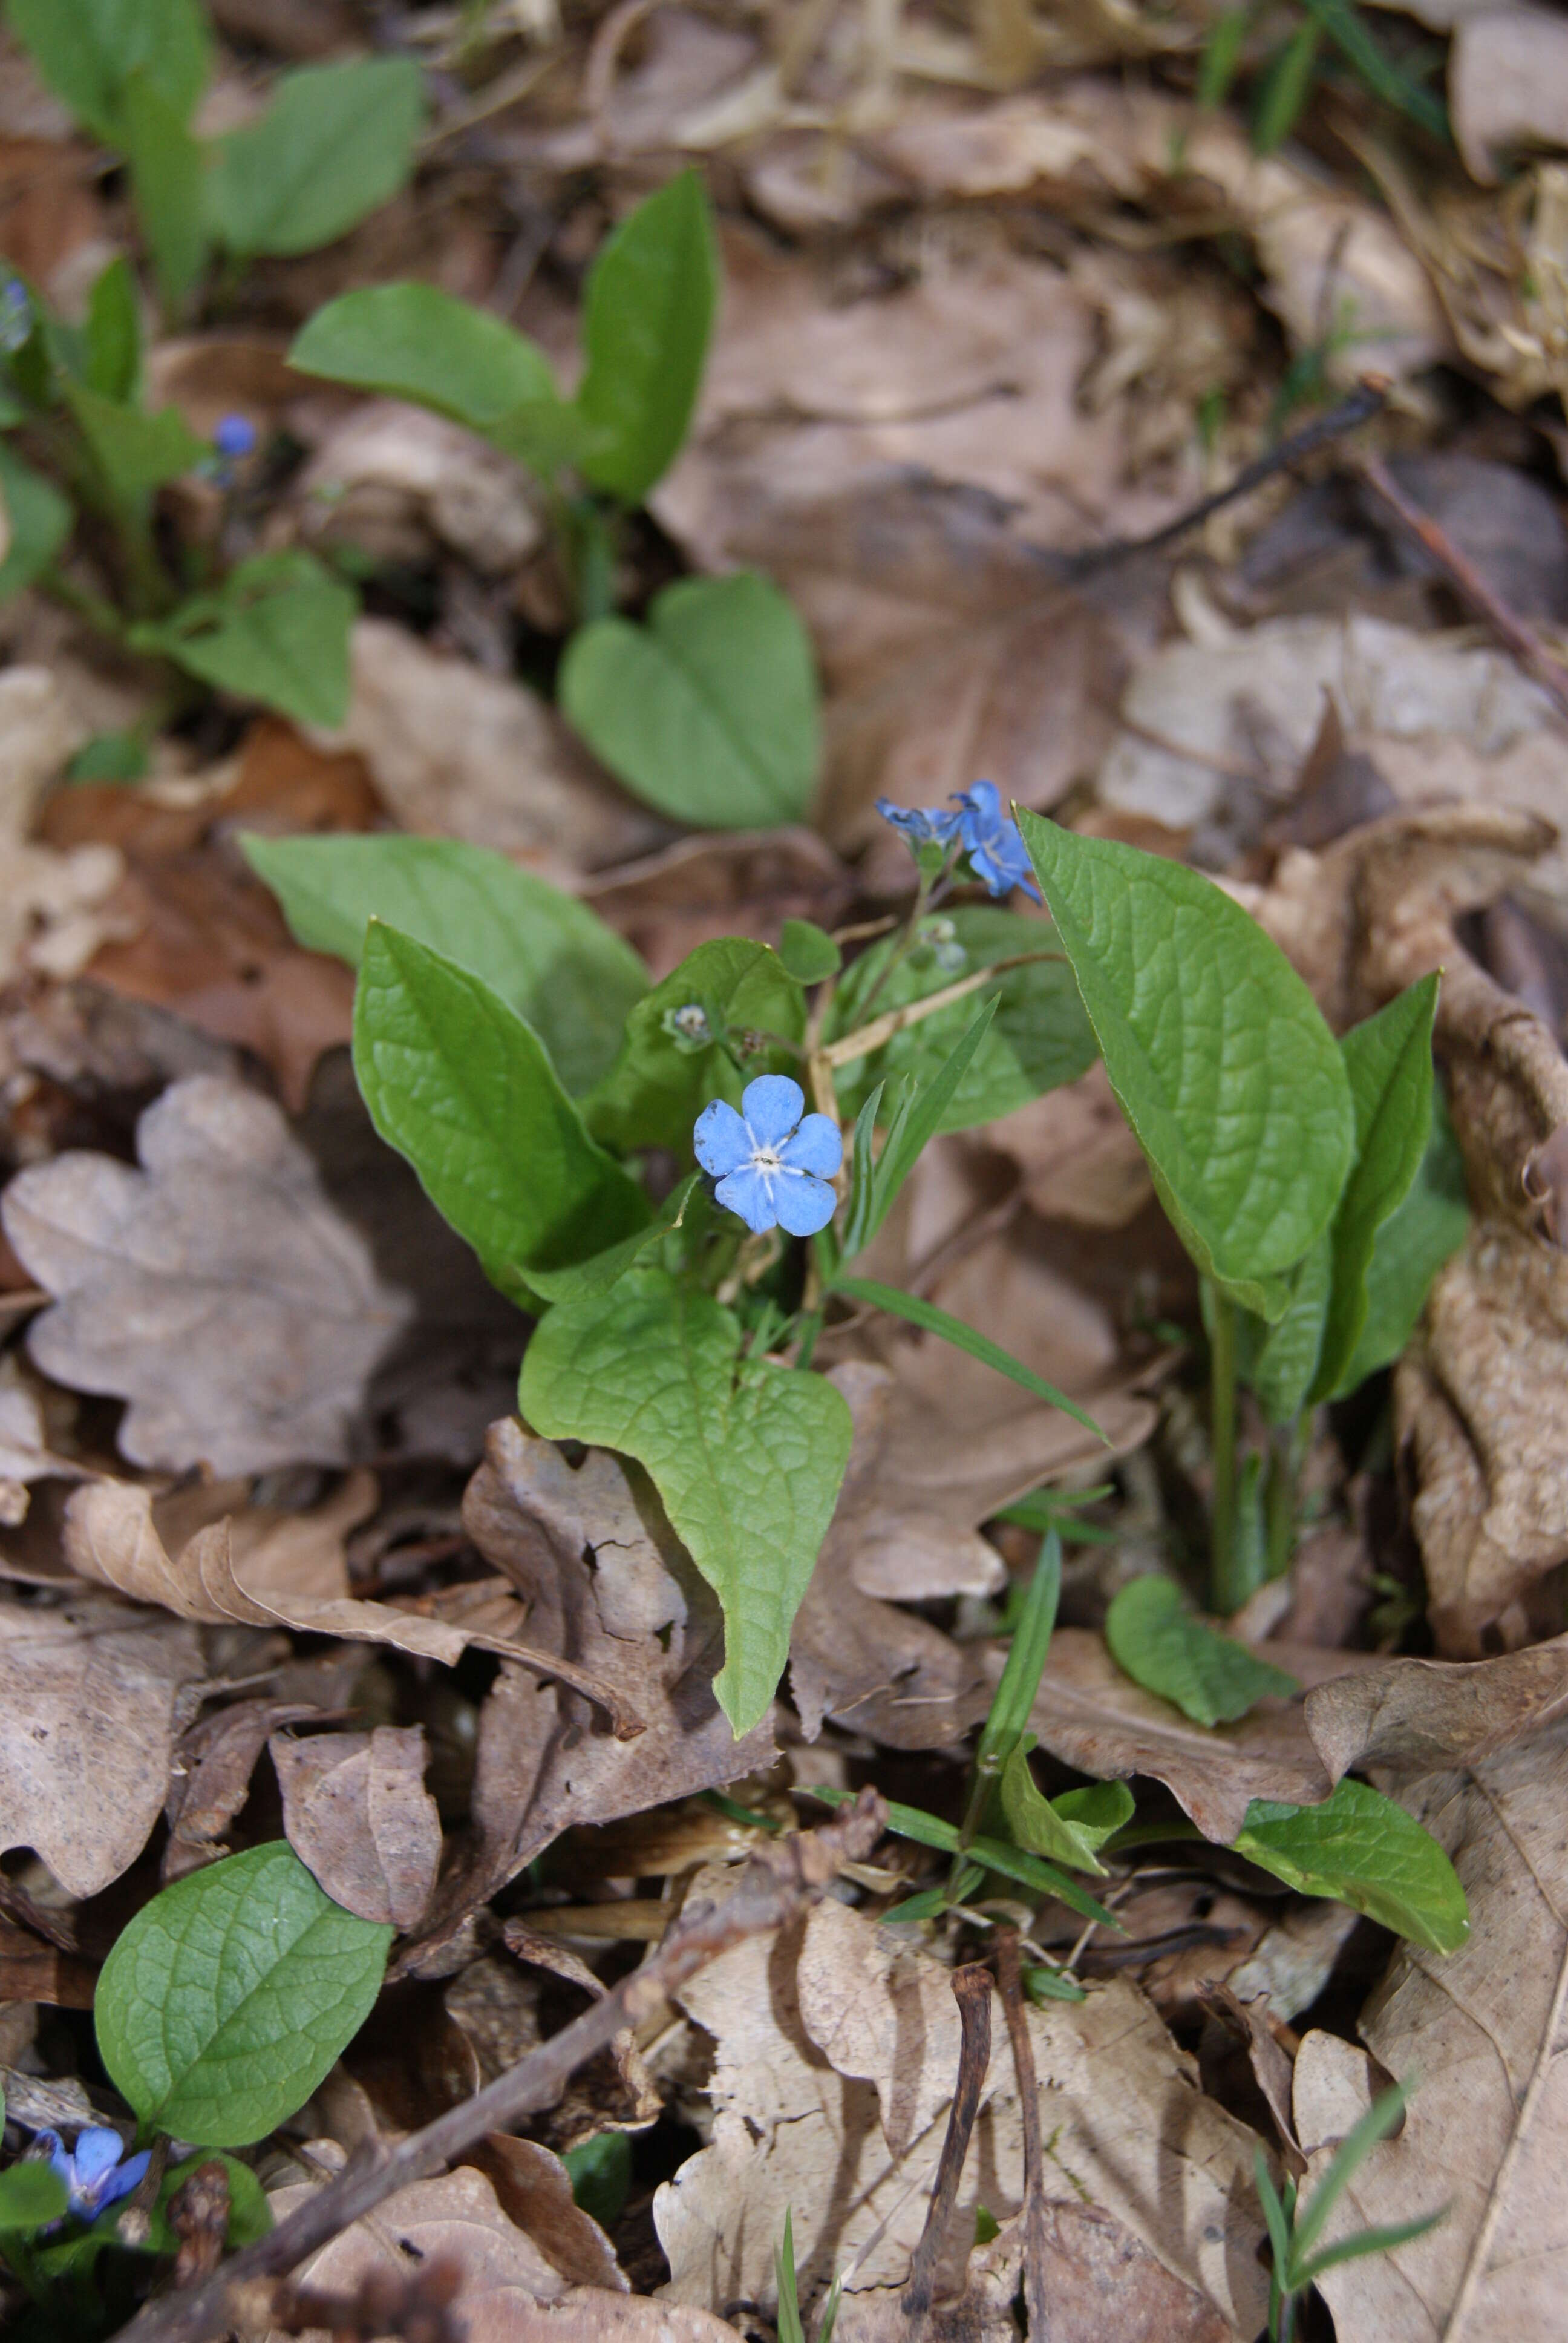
x,y
767,1159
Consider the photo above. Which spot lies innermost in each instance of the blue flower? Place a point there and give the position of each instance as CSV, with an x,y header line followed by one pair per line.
x,y
16,315
922,825
997,854
772,1165
235,436
94,2174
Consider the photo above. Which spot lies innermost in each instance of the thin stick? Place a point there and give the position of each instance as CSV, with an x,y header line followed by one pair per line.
x,y
1369,399
780,1880
1511,631
1035,2243
972,1991
866,1037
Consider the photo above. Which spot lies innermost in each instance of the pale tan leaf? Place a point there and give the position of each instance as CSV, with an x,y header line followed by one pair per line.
x,y
216,1289
1485,2031
87,1725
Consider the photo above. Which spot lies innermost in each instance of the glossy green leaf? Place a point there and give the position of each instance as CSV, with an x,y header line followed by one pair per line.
x,y
708,711
1223,1066
547,956
1156,1640
40,521
1043,1985
417,343
1040,1036
648,311
88,50
276,630
1363,1850
673,1059
30,2195
932,1321
1389,1062
335,143
747,1456
1426,1230
582,1280
112,333
919,1116
808,952
168,175
600,2170
136,452
1070,1829
459,1084
228,1996
1018,1686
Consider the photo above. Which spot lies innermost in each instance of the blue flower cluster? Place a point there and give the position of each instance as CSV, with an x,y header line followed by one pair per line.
x,y
997,854
772,1161
97,2172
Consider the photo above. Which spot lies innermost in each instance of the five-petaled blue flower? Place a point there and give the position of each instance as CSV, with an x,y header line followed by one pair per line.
x,y
771,1162
997,854
97,2172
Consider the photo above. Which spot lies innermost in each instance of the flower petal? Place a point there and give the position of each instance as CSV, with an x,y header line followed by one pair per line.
x,y
99,2150
922,825
722,1140
750,1196
121,2183
818,1146
772,1106
803,1204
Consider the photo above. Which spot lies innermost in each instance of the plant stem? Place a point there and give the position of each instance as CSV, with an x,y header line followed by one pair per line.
x,y
1285,1444
866,1037
1224,1594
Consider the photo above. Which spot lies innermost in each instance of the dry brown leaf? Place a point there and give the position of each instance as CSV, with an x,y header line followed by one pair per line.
x,y
399,484
88,1694
210,1777
533,2189
1507,86
457,753
1411,1717
837,2050
746,884
356,1813
49,903
608,1583
1484,2030
509,2291
216,1289
1076,1155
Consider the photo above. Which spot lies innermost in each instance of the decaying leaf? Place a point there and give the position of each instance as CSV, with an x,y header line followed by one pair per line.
x,y
356,1813
389,479
456,753
836,2052
1484,2033
87,1723
509,2292
1411,1717
1076,1155
608,1583
216,1289
49,903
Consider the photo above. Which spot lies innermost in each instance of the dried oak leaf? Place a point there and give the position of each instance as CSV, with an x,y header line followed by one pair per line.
x,y
611,1592
509,2291
88,1696
836,2055
1484,2029
356,1813
1409,1717
199,1554
216,1289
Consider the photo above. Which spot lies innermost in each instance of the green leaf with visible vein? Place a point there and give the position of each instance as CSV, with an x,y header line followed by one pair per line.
x,y
1411,1246
708,712
30,2195
275,630
648,311
1070,1828
1231,1079
746,1455
548,957
932,1321
228,1996
417,343
465,1089
584,1278
1388,1061
674,1059
1363,1850
1156,1640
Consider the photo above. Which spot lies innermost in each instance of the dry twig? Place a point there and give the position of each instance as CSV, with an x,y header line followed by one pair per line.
x,y
971,1991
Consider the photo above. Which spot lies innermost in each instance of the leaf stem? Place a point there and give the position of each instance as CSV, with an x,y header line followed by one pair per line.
x,y
860,1045
1224,1593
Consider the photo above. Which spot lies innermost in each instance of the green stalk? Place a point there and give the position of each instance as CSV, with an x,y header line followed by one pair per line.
x,y
1224,1594
1286,1446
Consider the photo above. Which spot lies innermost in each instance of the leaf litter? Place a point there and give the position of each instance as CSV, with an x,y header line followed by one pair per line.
x,y
278,1557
